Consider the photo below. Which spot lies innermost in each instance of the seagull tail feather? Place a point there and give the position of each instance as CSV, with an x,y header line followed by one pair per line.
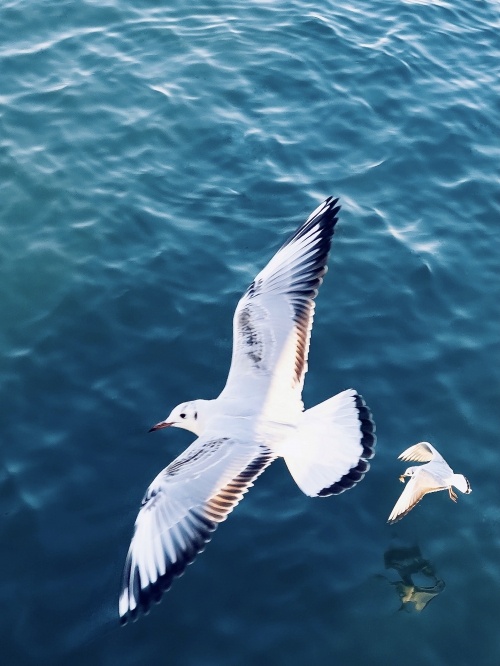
x,y
330,450
460,482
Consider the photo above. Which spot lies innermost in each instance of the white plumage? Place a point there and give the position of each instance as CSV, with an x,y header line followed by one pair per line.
x,y
435,475
258,417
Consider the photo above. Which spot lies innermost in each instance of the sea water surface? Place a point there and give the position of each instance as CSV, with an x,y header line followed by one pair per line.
x,y
153,156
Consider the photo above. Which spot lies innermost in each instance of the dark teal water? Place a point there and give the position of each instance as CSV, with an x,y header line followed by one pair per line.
x,y
152,158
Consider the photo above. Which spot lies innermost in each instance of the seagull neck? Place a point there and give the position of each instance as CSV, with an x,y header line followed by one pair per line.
x,y
204,412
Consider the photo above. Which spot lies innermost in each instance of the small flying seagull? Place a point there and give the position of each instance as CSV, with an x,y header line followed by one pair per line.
x,y
258,417
435,475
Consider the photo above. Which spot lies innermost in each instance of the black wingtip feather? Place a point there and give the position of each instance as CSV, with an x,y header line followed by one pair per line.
x,y
308,281
327,219
186,555
307,288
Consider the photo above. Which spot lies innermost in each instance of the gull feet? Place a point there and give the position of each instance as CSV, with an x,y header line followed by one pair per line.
x,y
453,495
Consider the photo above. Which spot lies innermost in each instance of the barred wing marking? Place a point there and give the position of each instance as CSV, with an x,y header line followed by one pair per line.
x,y
273,320
180,510
418,486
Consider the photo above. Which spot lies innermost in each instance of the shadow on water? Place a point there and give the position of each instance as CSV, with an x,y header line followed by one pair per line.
x,y
413,569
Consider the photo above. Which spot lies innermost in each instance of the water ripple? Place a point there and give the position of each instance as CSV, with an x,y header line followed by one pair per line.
x,y
152,158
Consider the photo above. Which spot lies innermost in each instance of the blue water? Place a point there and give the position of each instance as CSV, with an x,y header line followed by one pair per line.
x,y
153,156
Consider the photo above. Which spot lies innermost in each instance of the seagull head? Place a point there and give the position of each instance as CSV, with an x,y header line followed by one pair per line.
x,y
409,472
188,415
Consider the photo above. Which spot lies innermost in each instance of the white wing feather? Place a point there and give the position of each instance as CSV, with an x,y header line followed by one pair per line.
x,y
421,452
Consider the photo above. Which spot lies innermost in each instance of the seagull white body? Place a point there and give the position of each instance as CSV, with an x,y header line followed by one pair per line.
x,y
435,475
258,417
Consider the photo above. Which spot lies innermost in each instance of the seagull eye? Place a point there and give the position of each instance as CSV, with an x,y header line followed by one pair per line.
x,y
183,416
195,415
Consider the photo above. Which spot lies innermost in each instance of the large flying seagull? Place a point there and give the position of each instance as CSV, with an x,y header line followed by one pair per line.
x,y
258,417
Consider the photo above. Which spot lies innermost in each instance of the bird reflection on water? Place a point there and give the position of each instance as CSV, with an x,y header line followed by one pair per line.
x,y
417,595
408,561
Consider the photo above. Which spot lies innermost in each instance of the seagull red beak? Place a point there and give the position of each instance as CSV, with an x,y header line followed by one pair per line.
x,y
159,426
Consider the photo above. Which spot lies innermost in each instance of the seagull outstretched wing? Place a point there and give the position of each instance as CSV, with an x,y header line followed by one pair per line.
x,y
421,452
179,511
273,320
418,486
